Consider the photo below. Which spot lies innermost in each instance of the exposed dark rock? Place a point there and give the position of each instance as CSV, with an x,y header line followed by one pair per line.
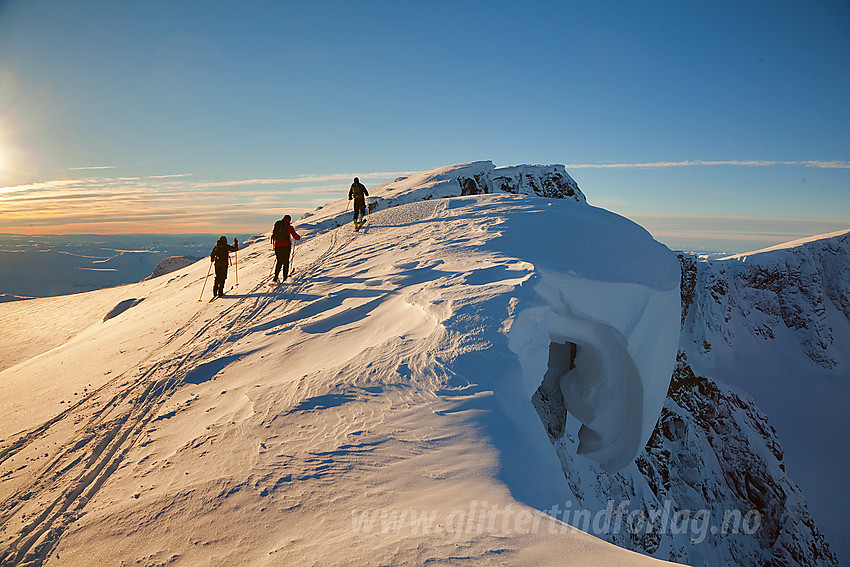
x,y
548,400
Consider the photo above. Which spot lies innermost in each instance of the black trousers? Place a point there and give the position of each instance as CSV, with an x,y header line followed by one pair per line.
x,y
220,276
359,207
282,255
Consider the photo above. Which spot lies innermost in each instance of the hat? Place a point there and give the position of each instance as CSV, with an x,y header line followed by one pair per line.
x,y
287,218
356,180
223,239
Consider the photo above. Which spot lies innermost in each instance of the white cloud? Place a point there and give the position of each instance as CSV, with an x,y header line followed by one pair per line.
x,y
305,179
159,203
171,176
93,167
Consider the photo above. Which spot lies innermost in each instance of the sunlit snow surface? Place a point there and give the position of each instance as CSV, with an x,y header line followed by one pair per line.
x,y
391,375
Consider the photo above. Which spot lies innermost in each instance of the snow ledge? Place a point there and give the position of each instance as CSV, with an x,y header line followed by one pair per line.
x,y
626,336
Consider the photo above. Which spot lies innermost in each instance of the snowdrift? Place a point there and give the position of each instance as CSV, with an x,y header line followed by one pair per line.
x,y
607,285
376,409
622,315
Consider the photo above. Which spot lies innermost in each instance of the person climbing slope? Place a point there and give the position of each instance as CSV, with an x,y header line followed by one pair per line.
x,y
220,255
283,245
359,193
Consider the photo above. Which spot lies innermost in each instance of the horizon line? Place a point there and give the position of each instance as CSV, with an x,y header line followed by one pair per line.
x,y
820,164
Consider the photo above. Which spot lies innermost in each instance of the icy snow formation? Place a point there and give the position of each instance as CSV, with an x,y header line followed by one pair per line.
x,y
606,284
617,299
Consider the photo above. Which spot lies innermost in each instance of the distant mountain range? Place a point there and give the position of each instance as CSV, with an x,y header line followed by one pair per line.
x,y
46,266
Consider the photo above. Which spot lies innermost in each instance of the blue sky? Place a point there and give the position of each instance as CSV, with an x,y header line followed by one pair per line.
x,y
720,125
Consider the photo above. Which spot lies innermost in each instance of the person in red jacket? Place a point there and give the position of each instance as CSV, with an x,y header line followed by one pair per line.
x,y
283,245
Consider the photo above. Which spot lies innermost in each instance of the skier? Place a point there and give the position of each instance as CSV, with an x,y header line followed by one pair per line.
x,y
359,193
221,256
283,245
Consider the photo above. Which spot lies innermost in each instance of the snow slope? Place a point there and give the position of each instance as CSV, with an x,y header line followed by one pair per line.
x,y
776,324
374,410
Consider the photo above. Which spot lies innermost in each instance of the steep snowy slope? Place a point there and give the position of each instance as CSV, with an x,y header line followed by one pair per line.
x,y
375,410
776,323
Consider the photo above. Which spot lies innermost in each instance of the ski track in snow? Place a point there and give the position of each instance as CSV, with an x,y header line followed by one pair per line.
x,y
112,419
116,415
323,443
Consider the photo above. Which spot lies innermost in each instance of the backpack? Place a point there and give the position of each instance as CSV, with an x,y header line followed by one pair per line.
x,y
219,253
280,231
358,190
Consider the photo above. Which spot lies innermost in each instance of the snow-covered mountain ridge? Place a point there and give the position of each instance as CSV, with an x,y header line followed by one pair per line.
x,y
801,287
776,324
379,385
170,264
474,178
385,405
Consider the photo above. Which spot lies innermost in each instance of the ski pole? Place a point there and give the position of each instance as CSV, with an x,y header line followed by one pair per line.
x,y
205,282
236,266
292,260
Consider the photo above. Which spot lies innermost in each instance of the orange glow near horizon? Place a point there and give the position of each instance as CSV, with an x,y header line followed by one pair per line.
x,y
136,227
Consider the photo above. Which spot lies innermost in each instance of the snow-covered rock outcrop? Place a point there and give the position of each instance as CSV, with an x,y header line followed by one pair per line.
x,y
714,448
474,178
799,287
776,324
551,181
171,264
710,487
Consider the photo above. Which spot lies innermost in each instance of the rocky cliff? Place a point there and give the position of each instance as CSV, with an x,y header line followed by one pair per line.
x,y
799,288
712,487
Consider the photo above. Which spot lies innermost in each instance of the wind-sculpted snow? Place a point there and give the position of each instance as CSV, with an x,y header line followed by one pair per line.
x,y
613,292
451,384
277,425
